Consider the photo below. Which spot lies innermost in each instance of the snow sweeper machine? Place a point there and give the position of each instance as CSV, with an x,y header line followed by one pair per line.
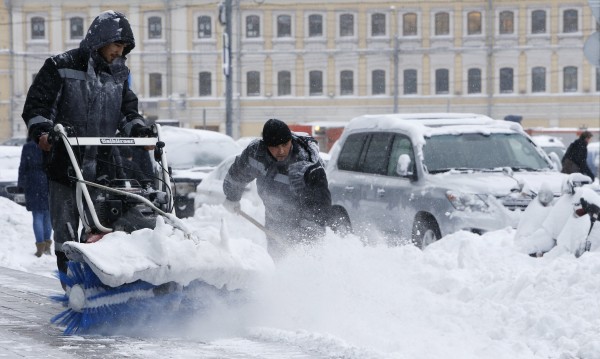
x,y
122,271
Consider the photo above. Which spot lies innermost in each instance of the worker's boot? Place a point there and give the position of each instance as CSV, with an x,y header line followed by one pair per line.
x,y
48,247
40,246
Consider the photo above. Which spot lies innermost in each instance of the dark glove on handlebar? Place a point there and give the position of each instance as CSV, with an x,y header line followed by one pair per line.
x,y
39,129
142,131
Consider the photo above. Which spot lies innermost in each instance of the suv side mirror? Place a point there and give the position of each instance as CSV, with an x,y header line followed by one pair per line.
x,y
403,166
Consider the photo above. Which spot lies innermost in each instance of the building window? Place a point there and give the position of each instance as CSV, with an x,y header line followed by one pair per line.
x,y
315,25
409,24
346,25
154,27
378,24
570,79
205,84
315,79
570,21
474,23
204,27
442,81
284,26
76,27
378,82
38,28
474,82
252,26
507,23
346,82
155,85
538,79
442,23
506,80
284,83
410,82
253,83
597,79
538,22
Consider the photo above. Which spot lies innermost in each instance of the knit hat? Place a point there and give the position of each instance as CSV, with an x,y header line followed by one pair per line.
x,y
276,132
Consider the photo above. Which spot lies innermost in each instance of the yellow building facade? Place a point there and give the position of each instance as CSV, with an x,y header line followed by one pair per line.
x,y
306,61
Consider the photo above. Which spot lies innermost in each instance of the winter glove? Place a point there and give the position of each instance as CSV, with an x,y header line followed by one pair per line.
x,y
142,131
296,172
232,206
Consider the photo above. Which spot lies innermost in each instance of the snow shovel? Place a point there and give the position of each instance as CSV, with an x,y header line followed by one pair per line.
x,y
275,237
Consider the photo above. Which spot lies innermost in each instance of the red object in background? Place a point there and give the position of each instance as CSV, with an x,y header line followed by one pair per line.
x,y
325,133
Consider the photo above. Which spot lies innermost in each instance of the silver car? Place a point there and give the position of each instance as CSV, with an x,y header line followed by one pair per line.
x,y
418,177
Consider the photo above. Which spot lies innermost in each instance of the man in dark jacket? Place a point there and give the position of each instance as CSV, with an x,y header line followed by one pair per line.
x,y
575,159
87,90
291,181
33,180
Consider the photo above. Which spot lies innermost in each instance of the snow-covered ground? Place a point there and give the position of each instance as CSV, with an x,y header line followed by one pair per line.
x,y
466,296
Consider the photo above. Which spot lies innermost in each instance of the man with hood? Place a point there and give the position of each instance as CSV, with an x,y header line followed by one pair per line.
x,y
86,90
291,181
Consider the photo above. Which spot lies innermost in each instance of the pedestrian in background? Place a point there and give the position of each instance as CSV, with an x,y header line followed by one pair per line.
x,y
575,159
33,180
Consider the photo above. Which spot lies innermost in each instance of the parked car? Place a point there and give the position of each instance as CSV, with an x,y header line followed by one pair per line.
x,y
550,145
191,155
418,177
210,190
10,158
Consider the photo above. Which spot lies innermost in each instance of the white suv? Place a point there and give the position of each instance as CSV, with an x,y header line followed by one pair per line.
x,y
418,177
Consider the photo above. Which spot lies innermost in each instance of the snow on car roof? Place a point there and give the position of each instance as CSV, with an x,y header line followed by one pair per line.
x,y
421,125
547,141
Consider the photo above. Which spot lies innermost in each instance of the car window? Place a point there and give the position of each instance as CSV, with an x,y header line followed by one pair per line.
x,y
350,154
481,151
400,146
376,157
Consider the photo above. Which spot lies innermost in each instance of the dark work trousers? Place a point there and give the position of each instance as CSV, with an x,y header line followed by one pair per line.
x,y
65,219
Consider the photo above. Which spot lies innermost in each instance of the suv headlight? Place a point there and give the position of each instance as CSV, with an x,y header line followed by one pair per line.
x,y
467,201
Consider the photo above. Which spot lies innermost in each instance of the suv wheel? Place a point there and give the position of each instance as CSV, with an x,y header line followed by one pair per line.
x,y
339,221
425,231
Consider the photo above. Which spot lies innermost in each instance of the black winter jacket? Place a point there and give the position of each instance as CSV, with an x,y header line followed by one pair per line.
x,y
289,204
577,152
80,90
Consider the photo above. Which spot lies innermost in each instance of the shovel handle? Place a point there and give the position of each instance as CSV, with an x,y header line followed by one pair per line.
x,y
260,226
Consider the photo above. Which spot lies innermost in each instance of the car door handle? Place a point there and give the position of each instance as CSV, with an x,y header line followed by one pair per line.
x,y
380,192
349,189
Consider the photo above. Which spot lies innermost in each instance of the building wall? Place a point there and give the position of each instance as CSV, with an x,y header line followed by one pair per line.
x,y
178,56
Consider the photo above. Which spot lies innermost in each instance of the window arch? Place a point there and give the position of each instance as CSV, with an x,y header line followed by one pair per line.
x,y
284,83
76,27
506,80
284,26
315,25
474,23
346,82
570,79
442,23
154,27
315,80
409,24
506,23
538,22
204,27
474,81
38,28
252,26
205,83
346,25
538,79
570,21
378,82
378,24
253,83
